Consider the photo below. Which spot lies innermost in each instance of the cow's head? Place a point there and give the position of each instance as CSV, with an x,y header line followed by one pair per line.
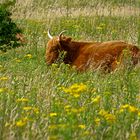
x,y
55,45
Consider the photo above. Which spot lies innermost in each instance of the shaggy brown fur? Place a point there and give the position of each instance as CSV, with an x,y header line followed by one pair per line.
x,y
86,55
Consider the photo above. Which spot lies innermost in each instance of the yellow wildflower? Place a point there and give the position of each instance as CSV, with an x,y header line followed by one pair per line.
x,y
82,126
133,109
28,56
121,110
54,65
77,110
76,95
53,114
27,108
67,106
86,132
74,110
110,117
25,119
4,78
17,60
53,137
97,121
55,126
22,100
125,106
102,112
139,113
52,126
96,100
21,123
75,89
36,110
78,87
66,90
107,92
130,108
93,90
81,109
2,90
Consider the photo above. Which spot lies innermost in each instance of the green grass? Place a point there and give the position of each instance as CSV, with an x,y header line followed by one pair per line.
x,y
51,111
58,103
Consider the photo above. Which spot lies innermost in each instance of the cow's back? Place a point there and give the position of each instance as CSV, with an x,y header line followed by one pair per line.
x,y
101,54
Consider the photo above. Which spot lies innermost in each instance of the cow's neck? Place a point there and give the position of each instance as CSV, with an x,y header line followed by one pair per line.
x,y
72,50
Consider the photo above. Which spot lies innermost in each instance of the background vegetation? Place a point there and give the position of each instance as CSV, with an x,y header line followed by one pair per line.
x,y
8,29
55,102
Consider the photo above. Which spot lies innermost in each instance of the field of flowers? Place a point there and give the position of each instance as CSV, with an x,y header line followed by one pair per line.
x,y
56,102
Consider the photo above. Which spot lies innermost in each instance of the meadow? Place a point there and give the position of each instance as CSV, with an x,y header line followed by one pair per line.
x,y
56,102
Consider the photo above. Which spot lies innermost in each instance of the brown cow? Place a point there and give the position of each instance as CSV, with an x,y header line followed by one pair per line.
x,y
85,55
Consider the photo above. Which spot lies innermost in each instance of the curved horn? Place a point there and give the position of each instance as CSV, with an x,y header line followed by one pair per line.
x,y
49,35
61,33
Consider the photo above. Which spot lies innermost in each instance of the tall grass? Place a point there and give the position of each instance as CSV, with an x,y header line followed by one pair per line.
x,y
56,102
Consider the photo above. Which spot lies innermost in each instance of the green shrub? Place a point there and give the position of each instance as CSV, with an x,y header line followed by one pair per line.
x,y
8,29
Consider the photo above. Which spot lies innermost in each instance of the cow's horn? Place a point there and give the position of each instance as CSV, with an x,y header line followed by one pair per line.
x,y
61,33
49,35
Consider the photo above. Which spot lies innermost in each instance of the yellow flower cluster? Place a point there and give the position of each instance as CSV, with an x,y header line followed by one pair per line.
x,y
22,100
108,116
129,108
22,122
29,56
69,109
75,89
77,110
29,108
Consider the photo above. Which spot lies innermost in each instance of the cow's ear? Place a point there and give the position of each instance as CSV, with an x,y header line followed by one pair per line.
x,y
68,39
